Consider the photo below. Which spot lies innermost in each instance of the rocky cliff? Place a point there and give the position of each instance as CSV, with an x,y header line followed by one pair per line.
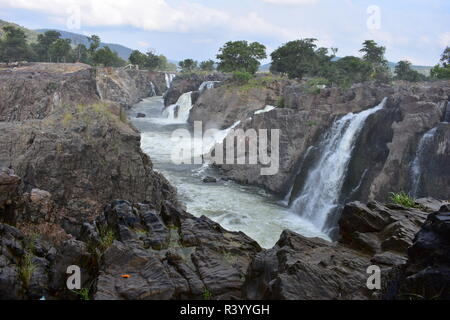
x,y
383,157
128,87
189,82
72,144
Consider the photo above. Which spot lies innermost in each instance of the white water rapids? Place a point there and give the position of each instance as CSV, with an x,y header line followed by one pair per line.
x,y
235,207
321,192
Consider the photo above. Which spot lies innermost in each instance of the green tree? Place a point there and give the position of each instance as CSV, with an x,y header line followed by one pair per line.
x,y
81,54
241,56
44,41
207,65
138,58
348,70
153,61
94,42
14,46
445,59
108,58
300,58
442,71
188,65
374,54
60,50
439,72
403,71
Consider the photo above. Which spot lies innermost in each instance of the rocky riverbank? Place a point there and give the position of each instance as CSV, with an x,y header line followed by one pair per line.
x,y
76,189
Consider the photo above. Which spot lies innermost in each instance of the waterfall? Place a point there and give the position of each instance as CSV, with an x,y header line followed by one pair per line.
x,y
447,112
320,195
153,89
179,112
169,78
207,85
265,110
416,166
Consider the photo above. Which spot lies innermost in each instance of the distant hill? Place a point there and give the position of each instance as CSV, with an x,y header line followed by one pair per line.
x,y
422,69
31,34
77,39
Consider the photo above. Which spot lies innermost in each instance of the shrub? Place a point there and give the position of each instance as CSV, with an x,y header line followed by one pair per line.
x,y
242,77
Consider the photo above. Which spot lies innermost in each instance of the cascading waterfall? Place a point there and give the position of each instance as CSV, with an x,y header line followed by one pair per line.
x,y
416,166
320,195
179,112
153,89
169,78
207,85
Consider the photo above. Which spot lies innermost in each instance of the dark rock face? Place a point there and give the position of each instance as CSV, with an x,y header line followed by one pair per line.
x,y
377,228
189,82
427,274
170,254
301,268
128,87
434,164
385,149
298,268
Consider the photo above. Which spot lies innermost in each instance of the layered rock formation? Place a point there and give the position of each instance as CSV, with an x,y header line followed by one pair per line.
x,y
386,148
189,82
222,107
80,149
128,87
372,235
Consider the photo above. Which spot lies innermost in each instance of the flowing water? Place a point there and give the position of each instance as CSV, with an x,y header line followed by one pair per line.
x,y
179,112
207,85
320,195
416,167
235,207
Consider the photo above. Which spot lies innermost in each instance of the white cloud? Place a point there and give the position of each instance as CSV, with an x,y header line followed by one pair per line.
x,y
154,15
143,44
291,1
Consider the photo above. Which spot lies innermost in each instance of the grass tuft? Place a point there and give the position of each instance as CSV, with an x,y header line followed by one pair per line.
x,y
404,199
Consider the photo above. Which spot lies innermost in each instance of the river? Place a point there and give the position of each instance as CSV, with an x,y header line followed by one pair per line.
x,y
236,207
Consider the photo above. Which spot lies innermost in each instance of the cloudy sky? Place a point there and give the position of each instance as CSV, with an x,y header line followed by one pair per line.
x,y
417,30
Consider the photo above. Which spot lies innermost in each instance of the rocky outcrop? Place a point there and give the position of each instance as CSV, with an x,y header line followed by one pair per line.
x,y
189,82
80,149
427,275
35,91
222,107
300,268
170,254
128,87
385,150
131,252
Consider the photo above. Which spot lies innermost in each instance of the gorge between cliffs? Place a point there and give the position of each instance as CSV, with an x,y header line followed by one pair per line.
x,y
87,179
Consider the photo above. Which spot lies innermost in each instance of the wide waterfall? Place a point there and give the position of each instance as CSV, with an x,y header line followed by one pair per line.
x,y
207,85
319,198
169,78
179,112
